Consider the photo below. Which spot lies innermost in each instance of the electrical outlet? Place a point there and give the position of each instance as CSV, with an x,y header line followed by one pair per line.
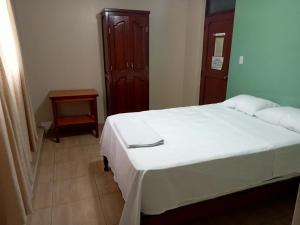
x,y
241,60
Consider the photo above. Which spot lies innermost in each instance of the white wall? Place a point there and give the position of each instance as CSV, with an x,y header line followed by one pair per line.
x,y
60,45
193,53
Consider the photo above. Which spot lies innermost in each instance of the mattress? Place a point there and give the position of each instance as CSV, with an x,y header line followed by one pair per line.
x,y
209,151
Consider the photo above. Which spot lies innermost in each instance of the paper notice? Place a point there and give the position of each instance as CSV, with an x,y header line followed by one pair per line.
x,y
217,63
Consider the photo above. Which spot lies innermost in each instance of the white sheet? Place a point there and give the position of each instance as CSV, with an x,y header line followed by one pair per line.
x,y
209,151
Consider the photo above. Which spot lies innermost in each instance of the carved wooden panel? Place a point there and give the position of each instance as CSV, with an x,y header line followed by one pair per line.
x,y
119,43
120,95
139,26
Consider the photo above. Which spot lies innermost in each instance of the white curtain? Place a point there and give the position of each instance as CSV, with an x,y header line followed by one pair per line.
x,y
18,135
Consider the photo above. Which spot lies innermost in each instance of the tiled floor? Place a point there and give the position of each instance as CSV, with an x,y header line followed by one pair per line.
x,y
73,189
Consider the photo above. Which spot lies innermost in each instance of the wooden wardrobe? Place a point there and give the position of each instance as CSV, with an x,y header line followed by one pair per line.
x,y
126,59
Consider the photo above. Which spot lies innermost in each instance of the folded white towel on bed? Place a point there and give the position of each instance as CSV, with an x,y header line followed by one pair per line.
x,y
137,134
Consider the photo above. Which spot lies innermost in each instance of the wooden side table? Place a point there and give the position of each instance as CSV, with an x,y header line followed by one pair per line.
x,y
80,95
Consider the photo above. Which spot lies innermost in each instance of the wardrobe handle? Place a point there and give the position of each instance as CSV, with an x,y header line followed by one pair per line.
x,y
132,66
127,64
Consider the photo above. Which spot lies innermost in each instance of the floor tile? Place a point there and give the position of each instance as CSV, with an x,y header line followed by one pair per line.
x,y
43,195
51,145
112,205
69,142
92,150
74,190
105,183
45,173
70,170
65,155
85,212
96,166
88,139
47,157
40,217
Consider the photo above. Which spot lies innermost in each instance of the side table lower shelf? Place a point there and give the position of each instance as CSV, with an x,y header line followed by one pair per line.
x,y
75,120
83,120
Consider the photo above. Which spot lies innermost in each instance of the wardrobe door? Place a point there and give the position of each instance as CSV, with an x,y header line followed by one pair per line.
x,y
139,90
119,54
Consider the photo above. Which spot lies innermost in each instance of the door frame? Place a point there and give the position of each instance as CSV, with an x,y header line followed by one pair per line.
x,y
205,49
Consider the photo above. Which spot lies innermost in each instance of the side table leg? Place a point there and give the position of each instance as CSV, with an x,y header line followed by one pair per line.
x,y
55,115
97,130
95,113
57,134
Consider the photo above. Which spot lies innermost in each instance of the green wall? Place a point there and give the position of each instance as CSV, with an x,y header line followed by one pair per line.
x,y
267,34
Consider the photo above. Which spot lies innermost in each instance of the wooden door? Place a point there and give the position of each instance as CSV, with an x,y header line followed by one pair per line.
x,y
119,55
216,57
139,58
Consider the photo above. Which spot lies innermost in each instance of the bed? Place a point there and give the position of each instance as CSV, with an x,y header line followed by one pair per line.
x,y
209,151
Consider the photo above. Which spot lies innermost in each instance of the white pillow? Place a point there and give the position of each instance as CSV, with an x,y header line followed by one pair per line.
x,y
287,117
291,120
248,104
272,115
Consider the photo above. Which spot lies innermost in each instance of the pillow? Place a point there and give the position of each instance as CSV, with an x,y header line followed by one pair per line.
x,y
291,120
272,115
287,117
248,104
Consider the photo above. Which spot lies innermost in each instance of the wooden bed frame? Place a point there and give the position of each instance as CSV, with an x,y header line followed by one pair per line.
x,y
202,210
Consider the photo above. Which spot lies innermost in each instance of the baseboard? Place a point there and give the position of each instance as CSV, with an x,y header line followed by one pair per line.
x,y
36,162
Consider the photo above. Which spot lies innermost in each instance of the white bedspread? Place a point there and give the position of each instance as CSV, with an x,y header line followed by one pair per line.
x,y
209,151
